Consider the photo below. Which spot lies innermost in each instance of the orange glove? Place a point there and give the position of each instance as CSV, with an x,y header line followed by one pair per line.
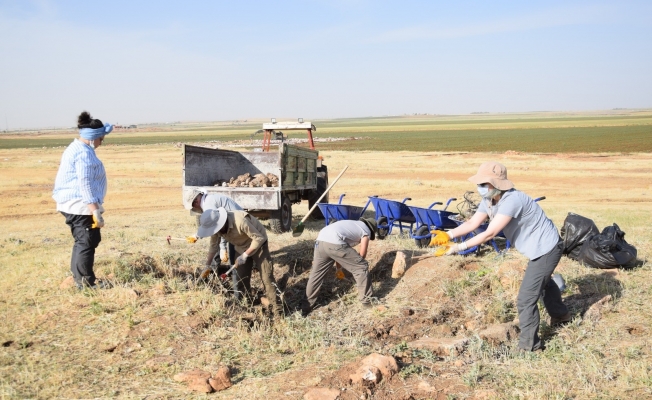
x,y
339,274
191,239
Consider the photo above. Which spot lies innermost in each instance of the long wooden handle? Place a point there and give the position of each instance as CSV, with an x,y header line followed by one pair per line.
x,y
324,194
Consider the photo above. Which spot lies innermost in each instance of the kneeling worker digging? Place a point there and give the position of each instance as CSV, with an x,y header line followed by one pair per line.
x,y
249,238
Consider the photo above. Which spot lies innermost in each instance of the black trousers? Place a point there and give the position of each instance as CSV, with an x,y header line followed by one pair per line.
x,y
83,251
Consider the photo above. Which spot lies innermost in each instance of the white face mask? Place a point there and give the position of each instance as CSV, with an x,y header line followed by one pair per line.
x,y
483,191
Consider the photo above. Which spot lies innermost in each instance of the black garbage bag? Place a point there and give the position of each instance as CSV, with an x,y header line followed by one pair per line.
x,y
607,250
576,230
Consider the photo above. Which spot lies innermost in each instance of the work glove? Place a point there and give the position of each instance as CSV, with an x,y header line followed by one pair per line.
x,y
442,250
439,238
191,239
224,255
339,274
98,220
242,259
456,248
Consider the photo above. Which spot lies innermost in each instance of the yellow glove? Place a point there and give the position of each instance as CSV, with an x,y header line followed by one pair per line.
x,y
98,220
439,238
224,255
442,250
191,239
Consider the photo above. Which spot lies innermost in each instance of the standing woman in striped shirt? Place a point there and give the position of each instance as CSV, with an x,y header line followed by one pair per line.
x,y
79,191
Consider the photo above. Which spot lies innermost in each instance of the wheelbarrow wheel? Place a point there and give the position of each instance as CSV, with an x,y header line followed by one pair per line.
x,y
382,232
423,230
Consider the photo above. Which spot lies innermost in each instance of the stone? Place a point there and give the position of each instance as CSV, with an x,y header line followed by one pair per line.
x,y
264,302
67,283
398,269
441,346
371,374
200,385
385,365
594,313
499,333
407,312
191,375
322,394
221,379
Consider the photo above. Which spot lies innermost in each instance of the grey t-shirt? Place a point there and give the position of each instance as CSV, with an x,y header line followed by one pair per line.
x,y
212,201
344,232
530,231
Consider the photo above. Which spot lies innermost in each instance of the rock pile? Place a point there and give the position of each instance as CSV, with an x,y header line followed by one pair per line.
x,y
246,180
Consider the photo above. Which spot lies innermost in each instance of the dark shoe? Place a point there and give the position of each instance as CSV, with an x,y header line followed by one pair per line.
x,y
559,321
537,350
306,308
97,285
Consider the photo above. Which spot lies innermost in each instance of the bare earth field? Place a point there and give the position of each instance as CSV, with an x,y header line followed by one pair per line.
x,y
158,320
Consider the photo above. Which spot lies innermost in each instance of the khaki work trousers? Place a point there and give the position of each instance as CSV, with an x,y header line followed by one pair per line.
x,y
263,260
326,254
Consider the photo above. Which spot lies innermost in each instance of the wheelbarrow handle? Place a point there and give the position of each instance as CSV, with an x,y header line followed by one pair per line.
x,y
449,201
436,203
341,197
406,199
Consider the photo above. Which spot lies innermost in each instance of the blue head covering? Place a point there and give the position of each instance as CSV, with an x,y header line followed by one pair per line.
x,y
92,134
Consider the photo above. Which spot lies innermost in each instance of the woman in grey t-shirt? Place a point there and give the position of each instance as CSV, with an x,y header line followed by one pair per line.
x,y
533,234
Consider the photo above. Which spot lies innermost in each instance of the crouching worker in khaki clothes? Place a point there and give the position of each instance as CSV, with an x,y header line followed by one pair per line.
x,y
334,245
249,238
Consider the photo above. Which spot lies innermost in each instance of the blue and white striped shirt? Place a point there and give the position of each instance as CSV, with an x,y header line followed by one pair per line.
x,y
81,175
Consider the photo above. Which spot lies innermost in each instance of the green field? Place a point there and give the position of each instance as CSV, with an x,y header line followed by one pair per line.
x,y
531,133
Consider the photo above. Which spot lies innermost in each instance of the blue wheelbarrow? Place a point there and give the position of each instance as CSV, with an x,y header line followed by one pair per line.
x,y
390,213
339,211
479,230
428,219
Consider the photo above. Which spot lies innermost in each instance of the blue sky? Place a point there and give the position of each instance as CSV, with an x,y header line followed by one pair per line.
x,y
161,61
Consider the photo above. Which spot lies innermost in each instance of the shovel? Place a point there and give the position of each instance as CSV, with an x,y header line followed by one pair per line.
x,y
299,228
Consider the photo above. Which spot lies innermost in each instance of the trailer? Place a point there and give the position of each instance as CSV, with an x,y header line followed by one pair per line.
x,y
299,170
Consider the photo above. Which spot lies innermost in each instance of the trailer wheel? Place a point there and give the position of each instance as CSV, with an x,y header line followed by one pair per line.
x,y
322,185
422,231
281,220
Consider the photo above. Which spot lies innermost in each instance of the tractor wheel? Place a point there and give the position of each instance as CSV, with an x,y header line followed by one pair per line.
x,y
382,232
422,231
281,220
322,185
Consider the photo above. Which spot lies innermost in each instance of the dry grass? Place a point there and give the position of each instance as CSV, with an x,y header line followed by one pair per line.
x,y
129,341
